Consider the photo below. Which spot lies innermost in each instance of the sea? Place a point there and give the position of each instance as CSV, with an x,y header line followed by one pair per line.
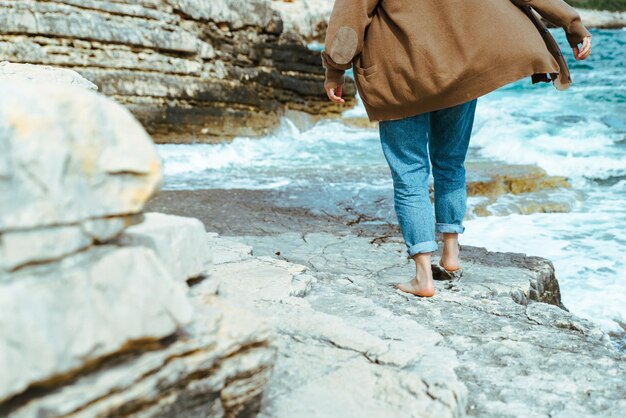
x,y
579,133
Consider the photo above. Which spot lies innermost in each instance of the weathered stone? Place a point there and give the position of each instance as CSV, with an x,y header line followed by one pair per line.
x,y
306,17
515,355
398,363
18,248
93,325
60,317
10,72
189,70
102,230
96,160
216,366
180,243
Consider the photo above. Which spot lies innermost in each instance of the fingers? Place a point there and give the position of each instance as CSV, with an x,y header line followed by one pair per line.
x,y
585,50
335,97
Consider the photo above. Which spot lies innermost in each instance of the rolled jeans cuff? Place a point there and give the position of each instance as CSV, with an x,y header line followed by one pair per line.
x,y
451,228
422,247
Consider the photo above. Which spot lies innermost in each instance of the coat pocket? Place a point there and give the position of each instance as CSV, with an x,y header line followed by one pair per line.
x,y
365,72
366,84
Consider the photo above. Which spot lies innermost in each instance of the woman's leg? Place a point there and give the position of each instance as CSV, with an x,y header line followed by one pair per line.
x,y
450,130
404,143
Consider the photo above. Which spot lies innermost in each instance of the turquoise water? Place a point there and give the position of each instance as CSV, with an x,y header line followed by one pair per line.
x,y
579,133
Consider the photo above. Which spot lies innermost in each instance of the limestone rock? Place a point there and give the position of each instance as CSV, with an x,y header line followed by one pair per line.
x,y
60,317
328,341
189,70
96,160
180,243
309,18
237,13
512,350
216,366
43,73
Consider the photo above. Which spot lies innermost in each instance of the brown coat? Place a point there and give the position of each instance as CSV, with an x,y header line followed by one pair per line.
x,y
415,56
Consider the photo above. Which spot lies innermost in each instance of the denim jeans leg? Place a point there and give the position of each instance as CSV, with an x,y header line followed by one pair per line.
x,y
405,146
450,129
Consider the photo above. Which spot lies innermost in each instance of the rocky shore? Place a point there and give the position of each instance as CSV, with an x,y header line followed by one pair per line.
x,y
97,315
275,312
500,334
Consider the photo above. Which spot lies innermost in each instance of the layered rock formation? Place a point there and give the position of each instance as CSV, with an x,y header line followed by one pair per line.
x,y
97,320
188,69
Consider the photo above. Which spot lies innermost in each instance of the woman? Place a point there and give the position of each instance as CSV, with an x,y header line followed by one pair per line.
x,y
419,67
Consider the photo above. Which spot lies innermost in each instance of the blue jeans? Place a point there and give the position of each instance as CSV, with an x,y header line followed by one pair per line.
x,y
407,143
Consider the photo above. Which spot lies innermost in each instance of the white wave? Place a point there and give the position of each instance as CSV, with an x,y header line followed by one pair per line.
x,y
589,268
581,147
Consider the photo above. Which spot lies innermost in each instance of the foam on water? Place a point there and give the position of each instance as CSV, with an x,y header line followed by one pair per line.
x,y
289,156
586,246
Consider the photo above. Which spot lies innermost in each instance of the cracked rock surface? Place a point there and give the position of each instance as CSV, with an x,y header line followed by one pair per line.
x,y
496,342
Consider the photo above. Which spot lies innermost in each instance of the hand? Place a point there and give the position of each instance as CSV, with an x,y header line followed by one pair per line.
x,y
584,51
333,91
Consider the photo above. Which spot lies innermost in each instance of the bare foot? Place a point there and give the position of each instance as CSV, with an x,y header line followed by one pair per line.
x,y
422,283
422,288
450,255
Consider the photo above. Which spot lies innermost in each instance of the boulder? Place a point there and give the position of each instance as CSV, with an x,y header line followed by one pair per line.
x,y
95,322
43,73
96,160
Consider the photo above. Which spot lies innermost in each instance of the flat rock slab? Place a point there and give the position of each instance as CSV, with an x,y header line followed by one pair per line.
x,y
516,355
355,360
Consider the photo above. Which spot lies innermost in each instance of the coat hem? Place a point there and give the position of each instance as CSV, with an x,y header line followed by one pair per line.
x,y
462,94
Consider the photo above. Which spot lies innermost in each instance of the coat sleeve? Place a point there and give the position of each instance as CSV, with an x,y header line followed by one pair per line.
x,y
345,35
560,14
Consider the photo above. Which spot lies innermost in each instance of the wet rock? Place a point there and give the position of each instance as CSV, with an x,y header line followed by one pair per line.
x,y
520,188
